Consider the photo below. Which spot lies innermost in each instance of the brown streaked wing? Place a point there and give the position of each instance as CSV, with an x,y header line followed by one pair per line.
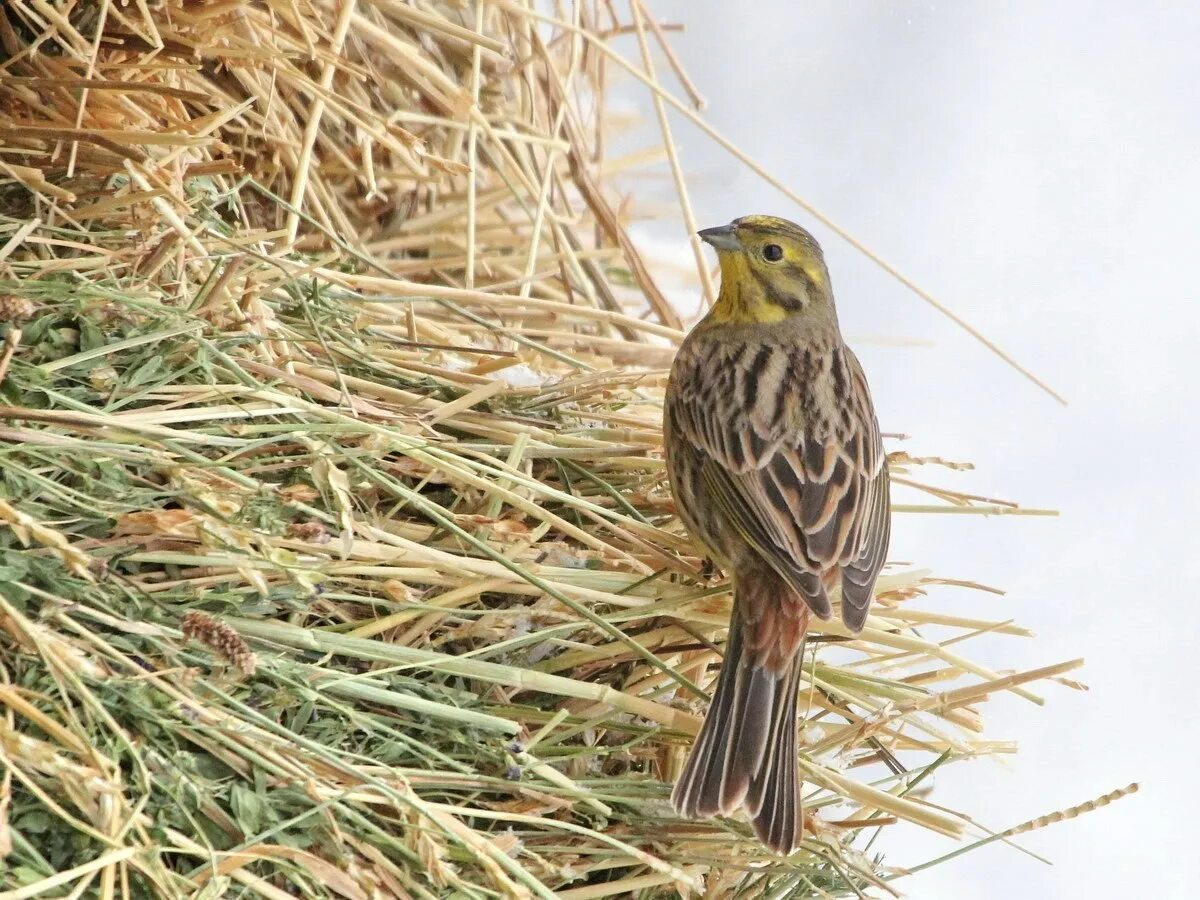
x,y
866,547
713,407
860,571
766,535
807,504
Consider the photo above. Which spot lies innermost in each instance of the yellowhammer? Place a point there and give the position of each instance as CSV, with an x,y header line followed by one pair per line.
x,y
777,468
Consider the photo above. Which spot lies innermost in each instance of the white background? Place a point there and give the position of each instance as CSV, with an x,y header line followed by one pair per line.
x,y
1036,165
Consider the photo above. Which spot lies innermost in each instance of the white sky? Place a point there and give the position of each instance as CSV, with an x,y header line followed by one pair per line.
x,y
1036,166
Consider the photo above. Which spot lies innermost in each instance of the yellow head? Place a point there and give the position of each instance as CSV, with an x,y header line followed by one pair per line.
x,y
771,270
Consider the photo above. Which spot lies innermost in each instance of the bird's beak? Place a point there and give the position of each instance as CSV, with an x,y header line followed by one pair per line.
x,y
722,238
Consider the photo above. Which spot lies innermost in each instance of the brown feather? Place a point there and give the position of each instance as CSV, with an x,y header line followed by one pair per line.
x,y
777,466
745,755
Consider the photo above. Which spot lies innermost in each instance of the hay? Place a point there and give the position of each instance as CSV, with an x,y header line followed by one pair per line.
x,y
326,346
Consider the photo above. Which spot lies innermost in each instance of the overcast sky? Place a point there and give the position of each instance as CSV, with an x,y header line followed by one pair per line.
x,y
1036,166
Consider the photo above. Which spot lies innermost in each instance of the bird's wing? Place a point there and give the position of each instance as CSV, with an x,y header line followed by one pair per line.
x,y
808,492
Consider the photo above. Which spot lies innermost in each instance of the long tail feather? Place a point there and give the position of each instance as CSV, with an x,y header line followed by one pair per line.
x,y
745,755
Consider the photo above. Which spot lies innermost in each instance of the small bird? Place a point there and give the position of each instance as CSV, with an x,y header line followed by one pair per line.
x,y
777,468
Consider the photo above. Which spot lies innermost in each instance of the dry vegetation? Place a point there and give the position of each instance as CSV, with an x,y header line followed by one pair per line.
x,y
336,555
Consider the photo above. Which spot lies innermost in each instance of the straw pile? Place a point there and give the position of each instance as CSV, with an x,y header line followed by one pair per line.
x,y
336,554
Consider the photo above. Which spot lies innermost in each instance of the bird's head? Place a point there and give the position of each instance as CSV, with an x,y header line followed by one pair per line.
x,y
771,270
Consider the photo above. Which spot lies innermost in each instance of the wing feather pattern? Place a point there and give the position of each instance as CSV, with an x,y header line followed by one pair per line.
x,y
797,469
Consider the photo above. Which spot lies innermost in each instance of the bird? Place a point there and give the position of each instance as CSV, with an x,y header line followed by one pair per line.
x,y
777,469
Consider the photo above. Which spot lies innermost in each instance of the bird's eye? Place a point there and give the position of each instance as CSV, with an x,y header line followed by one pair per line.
x,y
772,253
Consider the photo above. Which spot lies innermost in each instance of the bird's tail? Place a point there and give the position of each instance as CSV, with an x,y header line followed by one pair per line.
x,y
745,755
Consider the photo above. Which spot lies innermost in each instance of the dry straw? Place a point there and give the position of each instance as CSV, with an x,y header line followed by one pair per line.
x,y
326,343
